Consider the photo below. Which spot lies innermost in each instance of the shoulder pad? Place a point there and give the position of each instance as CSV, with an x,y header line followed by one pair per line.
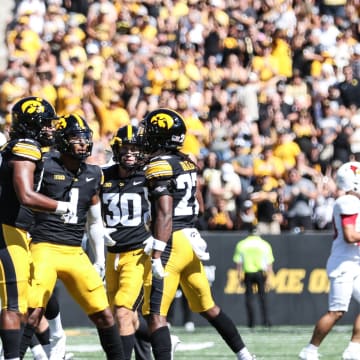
x,y
27,148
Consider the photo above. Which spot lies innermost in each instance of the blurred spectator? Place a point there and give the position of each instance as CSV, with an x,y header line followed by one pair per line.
x,y
266,200
211,171
268,164
286,148
350,88
323,208
219,217
299,196
112,116
243,165
246,218
227,186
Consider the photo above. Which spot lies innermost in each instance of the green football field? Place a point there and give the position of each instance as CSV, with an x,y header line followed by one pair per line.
x,y
277,343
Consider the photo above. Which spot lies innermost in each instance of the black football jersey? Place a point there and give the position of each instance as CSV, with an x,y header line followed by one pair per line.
x,y
21,149
174,175
61,184
26,216
125,207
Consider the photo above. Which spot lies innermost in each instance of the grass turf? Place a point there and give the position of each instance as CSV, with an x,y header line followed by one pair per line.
x,y
276,343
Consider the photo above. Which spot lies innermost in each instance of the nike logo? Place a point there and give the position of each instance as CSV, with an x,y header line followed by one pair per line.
x,y
89,179
137,183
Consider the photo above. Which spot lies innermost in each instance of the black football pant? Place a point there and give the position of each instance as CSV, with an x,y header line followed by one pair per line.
x,y
251,279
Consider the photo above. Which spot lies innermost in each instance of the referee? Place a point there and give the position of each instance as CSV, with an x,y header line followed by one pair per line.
x,y
253,257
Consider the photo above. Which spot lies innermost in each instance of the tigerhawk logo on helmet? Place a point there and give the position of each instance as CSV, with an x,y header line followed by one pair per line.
x,y
32,106
32,118
163,121
163,129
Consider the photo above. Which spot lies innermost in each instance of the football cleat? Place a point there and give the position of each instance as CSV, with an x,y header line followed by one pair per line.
x,y
306,354
39,353
57,349
175,341
351,354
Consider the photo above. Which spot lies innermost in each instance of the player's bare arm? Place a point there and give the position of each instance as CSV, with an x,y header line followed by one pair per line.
x,y
23,179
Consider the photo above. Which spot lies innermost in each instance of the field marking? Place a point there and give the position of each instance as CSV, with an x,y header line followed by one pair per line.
x,y
194,346
181,347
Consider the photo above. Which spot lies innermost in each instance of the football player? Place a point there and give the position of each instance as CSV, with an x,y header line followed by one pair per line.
x,y
31,126
56,240
178,249
50,334
125,209
343,266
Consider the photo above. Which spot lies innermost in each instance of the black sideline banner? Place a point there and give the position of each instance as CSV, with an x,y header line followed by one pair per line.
x,y
299,288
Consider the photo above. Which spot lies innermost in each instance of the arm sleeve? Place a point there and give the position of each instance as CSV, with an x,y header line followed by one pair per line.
x,y
95,231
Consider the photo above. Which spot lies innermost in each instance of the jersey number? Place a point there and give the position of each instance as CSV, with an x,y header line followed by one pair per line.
x,y
125,209
185,207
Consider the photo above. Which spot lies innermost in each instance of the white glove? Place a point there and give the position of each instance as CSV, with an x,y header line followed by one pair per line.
x,y
65,207
157,269
67,210
100,269
148,245
108,240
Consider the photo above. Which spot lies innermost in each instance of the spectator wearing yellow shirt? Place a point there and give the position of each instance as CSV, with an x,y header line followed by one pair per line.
x,y
220,218
268,164
24,42
265,64
287,149
110,117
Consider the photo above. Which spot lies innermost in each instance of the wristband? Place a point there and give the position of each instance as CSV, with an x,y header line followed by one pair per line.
x,y
61,208
159,245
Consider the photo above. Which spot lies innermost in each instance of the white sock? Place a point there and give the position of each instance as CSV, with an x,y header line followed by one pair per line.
x,y
56,329
312,348
38,352
243,354
354,346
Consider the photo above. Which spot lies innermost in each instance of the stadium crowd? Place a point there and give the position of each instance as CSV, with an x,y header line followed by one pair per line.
x,y
269,90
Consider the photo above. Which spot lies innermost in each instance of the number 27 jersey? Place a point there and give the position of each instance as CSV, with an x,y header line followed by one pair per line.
x,y
176,176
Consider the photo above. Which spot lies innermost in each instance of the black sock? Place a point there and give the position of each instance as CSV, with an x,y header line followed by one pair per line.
x,y
52,308
161,343
44,337
227,329
111,343
28,333
11,342
128,342
34,341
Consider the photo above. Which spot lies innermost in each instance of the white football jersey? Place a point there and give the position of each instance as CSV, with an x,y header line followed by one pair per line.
x,y
341,251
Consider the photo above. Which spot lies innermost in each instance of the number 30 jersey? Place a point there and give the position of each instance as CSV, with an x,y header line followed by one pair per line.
x,y
125,207
175,175
61,184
